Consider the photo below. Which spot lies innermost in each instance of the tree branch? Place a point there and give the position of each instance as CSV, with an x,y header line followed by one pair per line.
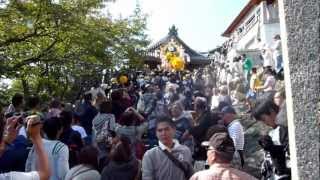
x,y
35,58
30,35
17,39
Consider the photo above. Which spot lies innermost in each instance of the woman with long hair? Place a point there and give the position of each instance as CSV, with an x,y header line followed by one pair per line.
x,y
87,167
123,165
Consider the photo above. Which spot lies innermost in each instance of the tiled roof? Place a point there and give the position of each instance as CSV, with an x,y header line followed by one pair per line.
x,y
195,57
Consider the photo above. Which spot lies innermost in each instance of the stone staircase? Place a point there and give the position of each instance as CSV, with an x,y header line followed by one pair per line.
x,y
253,131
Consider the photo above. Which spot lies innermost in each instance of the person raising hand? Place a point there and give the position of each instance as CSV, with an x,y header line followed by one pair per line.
x,y
33,130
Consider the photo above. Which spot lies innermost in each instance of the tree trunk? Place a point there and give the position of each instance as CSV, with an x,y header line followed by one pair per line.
x,y
25,87
65,88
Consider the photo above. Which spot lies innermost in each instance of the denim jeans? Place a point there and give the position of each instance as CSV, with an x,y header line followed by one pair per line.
x,y
279,63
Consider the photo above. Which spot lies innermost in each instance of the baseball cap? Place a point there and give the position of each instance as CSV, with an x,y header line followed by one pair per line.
x,y
228,109
216,129
222,144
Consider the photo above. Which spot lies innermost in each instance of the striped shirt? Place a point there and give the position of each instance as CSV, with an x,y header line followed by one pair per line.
x,y
236,133
58,155
101,124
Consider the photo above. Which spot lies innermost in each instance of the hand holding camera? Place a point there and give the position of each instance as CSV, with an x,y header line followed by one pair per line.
x,y
11,129
33,126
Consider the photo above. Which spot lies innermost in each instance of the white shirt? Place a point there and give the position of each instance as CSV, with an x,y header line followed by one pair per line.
x,y
10,109
214,101
33,175
164,147
277,51
270,83
275,135
81,130
229,77
236,133
23,132
238,68
267,58
223,75
81,172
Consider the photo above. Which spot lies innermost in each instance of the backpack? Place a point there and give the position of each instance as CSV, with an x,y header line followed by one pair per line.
x,y
103,139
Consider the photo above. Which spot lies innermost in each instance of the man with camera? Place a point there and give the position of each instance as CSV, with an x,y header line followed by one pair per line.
x,y
275,144
16,152
33,129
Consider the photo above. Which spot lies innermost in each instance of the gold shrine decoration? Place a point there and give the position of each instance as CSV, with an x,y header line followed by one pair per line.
x,y
177,64
171,57
175,61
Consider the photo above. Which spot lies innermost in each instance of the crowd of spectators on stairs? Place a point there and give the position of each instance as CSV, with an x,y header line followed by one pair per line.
x,y
153,126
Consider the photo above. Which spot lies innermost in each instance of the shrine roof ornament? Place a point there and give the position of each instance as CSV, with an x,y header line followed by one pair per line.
x,y
173,31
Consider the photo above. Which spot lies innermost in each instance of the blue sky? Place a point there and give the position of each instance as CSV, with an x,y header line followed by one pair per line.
x,y
200,23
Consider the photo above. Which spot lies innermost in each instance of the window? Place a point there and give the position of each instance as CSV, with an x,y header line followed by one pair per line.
x,y
250,20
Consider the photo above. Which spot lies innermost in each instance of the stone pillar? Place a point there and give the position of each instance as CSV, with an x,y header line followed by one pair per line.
x,y
299,21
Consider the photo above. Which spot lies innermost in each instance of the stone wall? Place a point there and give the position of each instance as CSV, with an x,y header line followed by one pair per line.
x,y
300,30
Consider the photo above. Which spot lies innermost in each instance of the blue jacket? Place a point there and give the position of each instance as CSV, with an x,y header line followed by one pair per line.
x,y
14,158
87,115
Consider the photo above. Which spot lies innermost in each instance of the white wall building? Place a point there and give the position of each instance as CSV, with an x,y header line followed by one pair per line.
x,y
258,19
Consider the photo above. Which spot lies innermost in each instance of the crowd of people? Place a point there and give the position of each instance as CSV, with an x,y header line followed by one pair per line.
x,y
155,125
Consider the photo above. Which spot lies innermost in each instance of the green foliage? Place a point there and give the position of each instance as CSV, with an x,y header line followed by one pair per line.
x,y
52,47
5,95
